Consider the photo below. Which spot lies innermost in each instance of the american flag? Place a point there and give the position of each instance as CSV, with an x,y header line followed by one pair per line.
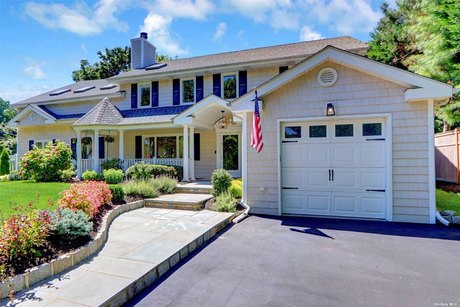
x,y
256,135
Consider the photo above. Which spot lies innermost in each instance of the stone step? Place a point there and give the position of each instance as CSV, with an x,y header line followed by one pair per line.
x,y
181,201
194,190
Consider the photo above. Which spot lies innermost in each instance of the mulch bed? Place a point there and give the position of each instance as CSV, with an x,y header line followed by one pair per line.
x,y
448,187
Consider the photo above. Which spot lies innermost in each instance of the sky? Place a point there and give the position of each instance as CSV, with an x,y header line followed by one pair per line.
x,y
43,41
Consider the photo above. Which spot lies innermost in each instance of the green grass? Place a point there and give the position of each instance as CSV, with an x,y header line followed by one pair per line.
x,y
448,201
23,192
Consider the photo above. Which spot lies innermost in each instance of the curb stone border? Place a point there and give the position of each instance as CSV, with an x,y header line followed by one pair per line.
x,y
36,274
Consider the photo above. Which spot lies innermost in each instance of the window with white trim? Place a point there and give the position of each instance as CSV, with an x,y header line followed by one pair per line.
x,y
163,147
230,85
41,144
188,90
144,96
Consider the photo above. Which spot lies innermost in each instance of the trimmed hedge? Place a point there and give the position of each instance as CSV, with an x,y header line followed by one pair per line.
x,y
143,171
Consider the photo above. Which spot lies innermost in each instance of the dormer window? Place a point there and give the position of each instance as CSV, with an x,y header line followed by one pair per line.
x,y
230,85
188,90
144,95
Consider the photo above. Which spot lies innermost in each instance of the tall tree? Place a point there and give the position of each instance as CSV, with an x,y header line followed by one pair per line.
x,y
6,111
7,134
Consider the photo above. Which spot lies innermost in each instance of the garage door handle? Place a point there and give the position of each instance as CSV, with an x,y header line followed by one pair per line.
x,y
371,190
329,175
290,188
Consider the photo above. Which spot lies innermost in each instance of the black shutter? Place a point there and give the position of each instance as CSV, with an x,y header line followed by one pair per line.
x,y
73,147
283,69
155,101
199,88
54,141
242,82
176,92
216,85
134,96
196,144
138,150
101,147
31,144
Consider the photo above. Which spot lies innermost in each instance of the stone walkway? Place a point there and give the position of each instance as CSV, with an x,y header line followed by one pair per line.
x,y
142,245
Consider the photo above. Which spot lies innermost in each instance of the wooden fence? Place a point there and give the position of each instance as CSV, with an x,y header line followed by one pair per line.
x,y
447,155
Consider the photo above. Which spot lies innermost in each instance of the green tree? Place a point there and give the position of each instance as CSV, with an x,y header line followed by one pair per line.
x,y
6,111
7,134
4,161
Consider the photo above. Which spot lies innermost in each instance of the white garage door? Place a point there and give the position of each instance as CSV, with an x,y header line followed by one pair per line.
x,y
334,168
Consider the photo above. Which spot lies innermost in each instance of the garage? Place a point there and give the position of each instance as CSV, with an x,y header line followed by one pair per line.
x,y
335,168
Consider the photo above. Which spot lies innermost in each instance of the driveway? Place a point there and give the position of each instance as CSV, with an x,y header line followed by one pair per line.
x,y
294,261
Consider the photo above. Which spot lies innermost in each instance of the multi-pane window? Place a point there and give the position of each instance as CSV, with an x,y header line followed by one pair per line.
x,y
41,144
230,86
163,147
345,130
188,91
318,131
144,95
372,129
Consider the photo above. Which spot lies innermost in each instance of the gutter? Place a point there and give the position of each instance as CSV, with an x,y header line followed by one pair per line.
x,y
441,219
244,215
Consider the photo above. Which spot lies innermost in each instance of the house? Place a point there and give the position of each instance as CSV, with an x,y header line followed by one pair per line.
x,y
343,135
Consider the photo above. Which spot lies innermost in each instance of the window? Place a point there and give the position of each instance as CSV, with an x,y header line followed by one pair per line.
x,y
319,131
372,129
292,132
41,144
86,147
230,86
149,147
188,91
344,130
166,147
144,95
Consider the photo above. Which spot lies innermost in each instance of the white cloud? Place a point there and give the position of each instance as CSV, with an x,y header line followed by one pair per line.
x,y
158,29
34,70
308,34
83,47
19,93
80,19
221,29
197,9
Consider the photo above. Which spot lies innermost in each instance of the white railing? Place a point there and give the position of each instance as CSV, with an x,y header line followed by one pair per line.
x,y
13,163
87,164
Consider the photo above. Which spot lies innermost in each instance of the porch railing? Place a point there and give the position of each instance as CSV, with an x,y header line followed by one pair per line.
x,y
87,164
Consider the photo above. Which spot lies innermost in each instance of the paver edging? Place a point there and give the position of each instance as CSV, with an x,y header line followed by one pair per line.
x,y
36,274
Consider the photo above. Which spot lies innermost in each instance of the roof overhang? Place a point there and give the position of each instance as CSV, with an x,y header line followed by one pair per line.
x,y
419,88
118,94
27,110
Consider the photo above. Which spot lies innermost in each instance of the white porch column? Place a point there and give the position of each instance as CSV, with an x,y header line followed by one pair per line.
x,y
185,155
192,153
96,150
121,144
244,157
78,153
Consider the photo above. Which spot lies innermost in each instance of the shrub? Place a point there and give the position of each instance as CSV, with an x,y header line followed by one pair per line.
x,y
114,163
90,175
143,171
69,224
118,194
221,182
88,196
4,161
68,175
45,164
14,176
166,185
23,234
225,202
4,178
143,188
236,189
113,176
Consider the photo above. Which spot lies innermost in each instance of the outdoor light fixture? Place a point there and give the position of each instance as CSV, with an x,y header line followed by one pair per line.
x,y
225,121
222,122
330,110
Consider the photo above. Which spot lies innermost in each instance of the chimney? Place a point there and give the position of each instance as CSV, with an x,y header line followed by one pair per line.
x,y
143,53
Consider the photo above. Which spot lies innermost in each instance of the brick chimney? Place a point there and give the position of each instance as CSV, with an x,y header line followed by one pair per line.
x,y
143,53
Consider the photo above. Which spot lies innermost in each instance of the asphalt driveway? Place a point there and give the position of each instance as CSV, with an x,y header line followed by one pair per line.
x,y
292,261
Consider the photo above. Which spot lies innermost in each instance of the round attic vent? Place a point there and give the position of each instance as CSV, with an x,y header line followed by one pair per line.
x,y
32,116
327,76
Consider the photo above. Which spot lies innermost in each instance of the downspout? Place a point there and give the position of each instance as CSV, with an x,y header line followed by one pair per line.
x,y
243,215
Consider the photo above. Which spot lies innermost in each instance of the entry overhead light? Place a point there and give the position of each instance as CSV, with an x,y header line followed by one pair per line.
x,y
330,110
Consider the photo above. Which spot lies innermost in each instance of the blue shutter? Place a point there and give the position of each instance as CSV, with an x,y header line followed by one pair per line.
x,y
155,89
138,147
101,147
176,92
73,147
199,88
31,144
134,96
54,141
283,69
216,85
242,82
197,145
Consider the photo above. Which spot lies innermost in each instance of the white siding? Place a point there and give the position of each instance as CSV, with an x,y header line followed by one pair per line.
x,y
354,93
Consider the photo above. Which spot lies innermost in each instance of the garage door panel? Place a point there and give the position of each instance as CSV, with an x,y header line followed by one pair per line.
x,y
344,155
292,203
347,179
373,206
373,154
317,155
373,179
318,203
292,155
344,205
317,178
292,177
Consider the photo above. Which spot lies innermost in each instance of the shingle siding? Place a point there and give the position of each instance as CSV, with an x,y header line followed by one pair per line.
x,y
354,93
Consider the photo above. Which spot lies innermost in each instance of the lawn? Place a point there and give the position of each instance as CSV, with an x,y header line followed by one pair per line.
x,y
448,201
23,192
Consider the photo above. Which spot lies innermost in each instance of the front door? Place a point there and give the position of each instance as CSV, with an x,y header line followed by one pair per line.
x,y
230,153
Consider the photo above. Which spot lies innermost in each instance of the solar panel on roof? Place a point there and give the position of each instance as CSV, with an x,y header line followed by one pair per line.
x,y
156,66
108,86
84,89
56,93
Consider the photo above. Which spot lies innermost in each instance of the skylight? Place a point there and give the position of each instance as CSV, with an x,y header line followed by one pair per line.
x,y
156,66
60,92
108,86
84,89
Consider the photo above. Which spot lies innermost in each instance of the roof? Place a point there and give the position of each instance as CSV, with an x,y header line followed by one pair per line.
x,y
278,52
104,113
78,90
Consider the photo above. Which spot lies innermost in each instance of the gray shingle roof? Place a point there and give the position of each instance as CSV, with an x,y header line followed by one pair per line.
x,y
302,49
71,94
104,113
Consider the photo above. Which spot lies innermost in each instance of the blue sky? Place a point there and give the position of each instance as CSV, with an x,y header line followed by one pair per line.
x,y
43,41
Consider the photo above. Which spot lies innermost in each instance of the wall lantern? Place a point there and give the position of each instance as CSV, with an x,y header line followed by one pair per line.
x,y
330,110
